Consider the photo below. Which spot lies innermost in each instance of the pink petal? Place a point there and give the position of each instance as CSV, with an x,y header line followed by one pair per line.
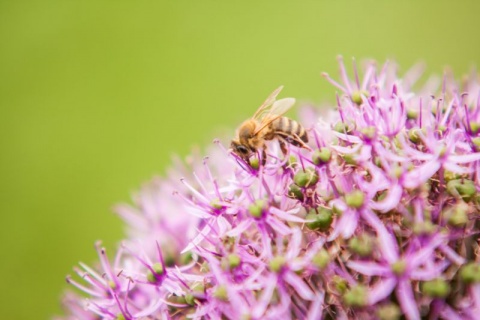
x,y
382,290
421,174
286,216
464,158
391,200
299,285
387,243
315,311
240,228
278,226
369,268
407,301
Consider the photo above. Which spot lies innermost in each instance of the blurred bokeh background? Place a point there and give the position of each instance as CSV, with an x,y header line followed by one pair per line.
x,y
96,96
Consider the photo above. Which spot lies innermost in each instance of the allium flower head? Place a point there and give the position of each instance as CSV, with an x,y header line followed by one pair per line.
x,y
378,220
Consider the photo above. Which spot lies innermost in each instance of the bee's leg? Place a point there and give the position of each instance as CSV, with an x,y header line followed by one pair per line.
x,y
300,143
283,146
264,155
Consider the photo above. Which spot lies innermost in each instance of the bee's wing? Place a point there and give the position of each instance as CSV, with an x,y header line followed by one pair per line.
x,y
278,109
264,108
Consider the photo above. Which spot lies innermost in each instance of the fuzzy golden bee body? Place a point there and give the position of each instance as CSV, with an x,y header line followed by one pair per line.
x,y
268,123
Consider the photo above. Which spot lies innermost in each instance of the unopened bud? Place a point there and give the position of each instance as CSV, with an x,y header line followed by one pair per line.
x,y
388,311
362,245
321,259
277,263
256,209
307,178
470,273
321,156
295,192
356,297
355,199
321,220
437,288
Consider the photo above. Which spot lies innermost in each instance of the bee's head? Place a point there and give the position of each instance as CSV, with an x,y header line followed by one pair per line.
x,y
240,149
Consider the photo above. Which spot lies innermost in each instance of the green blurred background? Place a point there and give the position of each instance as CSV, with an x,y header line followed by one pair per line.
x,y
95,97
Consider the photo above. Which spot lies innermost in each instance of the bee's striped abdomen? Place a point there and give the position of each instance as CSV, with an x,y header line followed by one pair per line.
x,y
291,131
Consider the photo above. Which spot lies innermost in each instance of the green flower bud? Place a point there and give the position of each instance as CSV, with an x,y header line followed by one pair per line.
x,y
399,267
412,114
462,188
470,273
158,269
340,284
356,297
413,135
474,126
342,127
388,311
321,156
215,203
424,228
277,263
396,171
349,159
112,284
457,216
307,178
177,299
256,209
190,299
449,175
476,143
321,220
369,132
221,293
437,288
292,162
362,245
295,192
169,255
443,151
186,258
321,259
357,97
355,199
233,260
254,163
336,210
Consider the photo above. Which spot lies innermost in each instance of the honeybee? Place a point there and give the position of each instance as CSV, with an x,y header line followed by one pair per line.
x,y
268,123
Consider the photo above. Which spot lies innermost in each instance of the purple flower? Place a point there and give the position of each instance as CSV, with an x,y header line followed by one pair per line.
x,y
378,219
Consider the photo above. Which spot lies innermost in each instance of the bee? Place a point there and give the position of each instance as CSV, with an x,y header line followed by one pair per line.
x,y
268,123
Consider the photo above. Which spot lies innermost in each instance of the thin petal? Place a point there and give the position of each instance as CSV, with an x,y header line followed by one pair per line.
x,y
391,200
299,285
465,158
381,290
315,311
405,296
369,268
278,226
425,253
421,174
286,216
240,228
387,244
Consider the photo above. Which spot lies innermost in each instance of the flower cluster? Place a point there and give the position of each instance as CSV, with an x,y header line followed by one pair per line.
x,y
378,220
